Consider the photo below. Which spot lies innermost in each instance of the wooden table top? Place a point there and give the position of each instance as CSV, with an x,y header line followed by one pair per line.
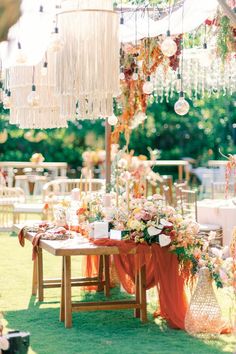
x,y
72,247
168,163
22,164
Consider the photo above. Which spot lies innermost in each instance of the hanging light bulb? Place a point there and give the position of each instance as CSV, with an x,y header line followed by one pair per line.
x,y
56,41
122,74
7,100
178,83
1,91
205,58
148,86
44,69
112,120
33,97
135,75
21,58
168,46
181,106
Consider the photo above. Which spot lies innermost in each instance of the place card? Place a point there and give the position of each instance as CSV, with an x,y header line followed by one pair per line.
x,y
100,229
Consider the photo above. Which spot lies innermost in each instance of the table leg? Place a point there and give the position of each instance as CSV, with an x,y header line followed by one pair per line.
x,y
67,284
107,275
100,274
142,288
40,274
35,278
180,171
137,295
187,173
62,308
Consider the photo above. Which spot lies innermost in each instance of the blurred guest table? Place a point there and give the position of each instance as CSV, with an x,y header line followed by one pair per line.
x,y
218,211
183,166
57,168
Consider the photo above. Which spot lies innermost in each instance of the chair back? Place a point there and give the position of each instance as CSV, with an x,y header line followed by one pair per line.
x,y
8,197
167,194
178,186
218,190
63,187
167,181
189,203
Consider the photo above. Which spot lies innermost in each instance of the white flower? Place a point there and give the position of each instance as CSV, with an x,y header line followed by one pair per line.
x,y
212,235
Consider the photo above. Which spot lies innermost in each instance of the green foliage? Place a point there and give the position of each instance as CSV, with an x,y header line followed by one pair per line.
x,y
199,135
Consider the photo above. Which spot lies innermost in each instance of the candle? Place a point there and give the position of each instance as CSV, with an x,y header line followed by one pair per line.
x,y
75,194
117,192
80,185
86,185
107,200
127,193
90,181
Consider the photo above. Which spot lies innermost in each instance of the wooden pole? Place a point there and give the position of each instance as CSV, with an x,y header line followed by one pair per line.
x,y
108,155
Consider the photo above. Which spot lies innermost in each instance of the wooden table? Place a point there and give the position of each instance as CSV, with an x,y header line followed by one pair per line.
x,y
67,249
183,166
217,163
58,168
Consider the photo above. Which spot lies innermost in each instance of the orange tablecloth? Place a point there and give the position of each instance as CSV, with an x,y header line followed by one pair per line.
x,y
162,271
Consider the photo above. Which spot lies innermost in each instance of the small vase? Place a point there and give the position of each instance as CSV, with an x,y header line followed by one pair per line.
x,y
203,316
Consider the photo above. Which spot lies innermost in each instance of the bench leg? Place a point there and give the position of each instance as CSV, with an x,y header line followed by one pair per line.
x,y
62,307
100,274
40,274
107,276
35,278
67,284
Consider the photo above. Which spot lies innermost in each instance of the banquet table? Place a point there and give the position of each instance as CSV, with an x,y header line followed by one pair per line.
x,y
218,211
57,168
183,167
82,247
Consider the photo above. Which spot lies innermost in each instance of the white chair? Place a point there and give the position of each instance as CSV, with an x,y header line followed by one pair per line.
x,y
63,187
8,197
21,181
40,181
218,190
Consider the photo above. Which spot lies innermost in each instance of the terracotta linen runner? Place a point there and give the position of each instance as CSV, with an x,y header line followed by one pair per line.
x,y
162,270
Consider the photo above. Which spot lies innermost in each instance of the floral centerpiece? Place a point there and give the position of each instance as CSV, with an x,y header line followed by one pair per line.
x,y
37,158
151,222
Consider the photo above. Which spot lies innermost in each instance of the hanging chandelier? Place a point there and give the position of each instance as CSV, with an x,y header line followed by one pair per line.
x,y
34,103
88,62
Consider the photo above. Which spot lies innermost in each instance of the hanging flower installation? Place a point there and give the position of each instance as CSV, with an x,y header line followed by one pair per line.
x,y
139,64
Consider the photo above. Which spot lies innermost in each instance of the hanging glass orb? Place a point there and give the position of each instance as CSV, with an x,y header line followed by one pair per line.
x,y
205,58
44,69
33,98
168,46
7,102
112,120
181,106
21,57
135,75
178,83
56,41
148,86
122,75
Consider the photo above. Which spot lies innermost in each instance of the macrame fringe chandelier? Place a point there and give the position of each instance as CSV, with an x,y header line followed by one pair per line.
x,y
34,102
88,63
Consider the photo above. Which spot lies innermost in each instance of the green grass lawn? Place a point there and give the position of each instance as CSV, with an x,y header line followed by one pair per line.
x,y
102,332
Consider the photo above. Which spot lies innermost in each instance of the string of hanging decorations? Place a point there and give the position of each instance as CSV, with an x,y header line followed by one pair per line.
x,y
193,65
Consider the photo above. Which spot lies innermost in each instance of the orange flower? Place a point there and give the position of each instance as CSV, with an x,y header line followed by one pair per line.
x,y
81,211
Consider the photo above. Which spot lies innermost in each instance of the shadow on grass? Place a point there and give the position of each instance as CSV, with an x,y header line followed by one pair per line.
x,y
103,332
